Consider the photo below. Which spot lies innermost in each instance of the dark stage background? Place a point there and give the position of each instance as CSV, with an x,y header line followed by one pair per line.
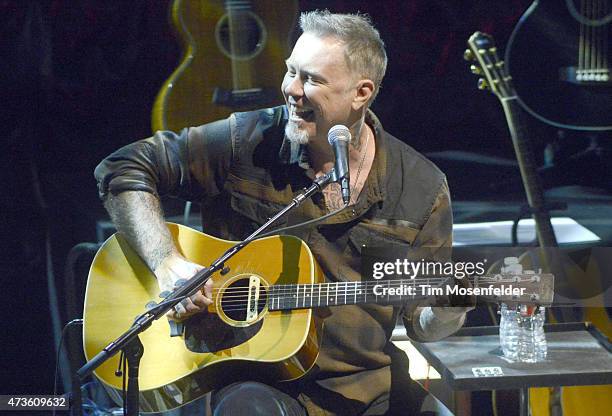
x,y
78,79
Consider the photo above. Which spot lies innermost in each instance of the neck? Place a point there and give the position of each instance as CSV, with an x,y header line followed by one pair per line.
x,y
321,153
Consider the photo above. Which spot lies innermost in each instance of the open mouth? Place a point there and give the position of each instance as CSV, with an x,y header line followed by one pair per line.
x,y
299,114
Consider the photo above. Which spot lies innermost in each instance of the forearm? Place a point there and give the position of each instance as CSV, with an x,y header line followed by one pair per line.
x,y
139,218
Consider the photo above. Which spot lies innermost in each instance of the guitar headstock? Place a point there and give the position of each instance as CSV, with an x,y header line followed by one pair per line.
x,y
527,288
482,52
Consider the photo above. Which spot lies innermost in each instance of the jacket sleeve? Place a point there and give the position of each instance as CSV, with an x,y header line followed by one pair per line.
x,y
437,232
188,165
436,235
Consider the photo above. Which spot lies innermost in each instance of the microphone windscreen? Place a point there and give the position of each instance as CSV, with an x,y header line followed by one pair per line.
x,y
338,132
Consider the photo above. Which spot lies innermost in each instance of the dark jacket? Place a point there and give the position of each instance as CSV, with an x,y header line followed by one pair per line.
x,y
243,171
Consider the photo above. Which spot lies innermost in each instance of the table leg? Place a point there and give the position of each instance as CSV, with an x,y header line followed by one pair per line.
x,y
463,403
524,402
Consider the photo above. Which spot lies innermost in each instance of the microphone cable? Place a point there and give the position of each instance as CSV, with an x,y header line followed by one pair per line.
x,y
302,224
58,353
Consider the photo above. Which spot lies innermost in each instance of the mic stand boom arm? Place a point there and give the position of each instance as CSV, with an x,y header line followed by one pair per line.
x,y
129,341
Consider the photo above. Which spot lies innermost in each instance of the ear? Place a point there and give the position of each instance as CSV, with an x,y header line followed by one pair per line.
x,y
364,91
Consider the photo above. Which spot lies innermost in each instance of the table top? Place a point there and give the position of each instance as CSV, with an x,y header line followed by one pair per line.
x,y
471,359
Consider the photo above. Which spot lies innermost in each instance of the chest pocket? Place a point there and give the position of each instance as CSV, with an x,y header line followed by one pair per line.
x,y
373,245
374,235
256,210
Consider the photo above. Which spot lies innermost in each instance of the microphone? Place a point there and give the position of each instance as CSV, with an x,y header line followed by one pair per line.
x,y
339,137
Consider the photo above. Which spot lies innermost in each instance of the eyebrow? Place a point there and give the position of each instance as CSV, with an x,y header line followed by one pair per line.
x,y
306,72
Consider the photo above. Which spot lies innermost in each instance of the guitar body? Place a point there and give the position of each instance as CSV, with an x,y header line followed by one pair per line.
x,y
279,345
213,65
540,56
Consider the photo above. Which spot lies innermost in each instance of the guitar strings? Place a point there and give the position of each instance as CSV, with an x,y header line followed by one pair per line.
x,y
350,294
310,291
593,42
604,32
582,42
600,42
352,289
292,286
354,296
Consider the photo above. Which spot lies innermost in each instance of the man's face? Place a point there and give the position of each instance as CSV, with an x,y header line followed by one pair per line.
x,y
318,88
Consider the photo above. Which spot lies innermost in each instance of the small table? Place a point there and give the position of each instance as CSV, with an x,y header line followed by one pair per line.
x,y
471,359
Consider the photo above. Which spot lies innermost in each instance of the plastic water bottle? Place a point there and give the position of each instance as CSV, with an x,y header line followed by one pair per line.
x,y
509,323
532,345
521,328
509,332
521,333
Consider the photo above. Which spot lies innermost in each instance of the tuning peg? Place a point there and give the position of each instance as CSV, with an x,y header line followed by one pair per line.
x,y
468,55
482,84
475,69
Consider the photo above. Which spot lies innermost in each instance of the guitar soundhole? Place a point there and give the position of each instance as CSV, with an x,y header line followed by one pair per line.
x,y
235,300
244,38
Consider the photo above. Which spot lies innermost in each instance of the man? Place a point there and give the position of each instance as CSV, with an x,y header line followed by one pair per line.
x,y
246,168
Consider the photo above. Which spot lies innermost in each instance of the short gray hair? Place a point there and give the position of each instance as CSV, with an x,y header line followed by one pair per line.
x,y
364,49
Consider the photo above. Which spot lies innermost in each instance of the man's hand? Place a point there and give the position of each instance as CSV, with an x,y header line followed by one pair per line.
x,y
176,268
450,313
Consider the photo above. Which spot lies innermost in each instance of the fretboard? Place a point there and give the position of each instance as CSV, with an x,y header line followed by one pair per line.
x,y
287,297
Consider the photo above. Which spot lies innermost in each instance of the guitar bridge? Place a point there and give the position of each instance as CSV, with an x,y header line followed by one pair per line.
x,y
253,299
591,77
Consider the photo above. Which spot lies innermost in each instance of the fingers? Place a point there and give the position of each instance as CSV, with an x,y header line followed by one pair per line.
x,y
190,307
200,300
182,310
208,287
195,304
174,272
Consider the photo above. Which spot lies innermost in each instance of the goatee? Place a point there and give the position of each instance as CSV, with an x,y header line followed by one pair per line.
x,y
294,134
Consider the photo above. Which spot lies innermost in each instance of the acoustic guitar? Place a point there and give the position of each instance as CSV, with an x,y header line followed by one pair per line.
x,y
234,52
261,324
559,58
494,77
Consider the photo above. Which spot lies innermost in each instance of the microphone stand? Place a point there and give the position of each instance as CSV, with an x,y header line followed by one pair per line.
x,y
129,341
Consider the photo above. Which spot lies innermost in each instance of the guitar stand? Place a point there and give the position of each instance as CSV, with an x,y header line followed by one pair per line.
x,y
133,353
526,209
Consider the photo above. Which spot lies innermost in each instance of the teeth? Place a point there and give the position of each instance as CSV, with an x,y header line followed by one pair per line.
x,y
299,113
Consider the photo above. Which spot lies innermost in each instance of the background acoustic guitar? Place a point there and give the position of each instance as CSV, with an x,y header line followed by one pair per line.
x,y
559,58
494,77
234,52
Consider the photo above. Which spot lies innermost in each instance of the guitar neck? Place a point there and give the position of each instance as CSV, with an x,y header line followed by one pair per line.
x,y
483,52
290,297
517,124
239,21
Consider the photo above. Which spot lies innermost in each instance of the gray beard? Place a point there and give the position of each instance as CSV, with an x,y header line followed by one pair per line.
x,y
294,134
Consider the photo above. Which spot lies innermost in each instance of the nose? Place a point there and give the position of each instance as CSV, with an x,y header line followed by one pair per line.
x,y
294,87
